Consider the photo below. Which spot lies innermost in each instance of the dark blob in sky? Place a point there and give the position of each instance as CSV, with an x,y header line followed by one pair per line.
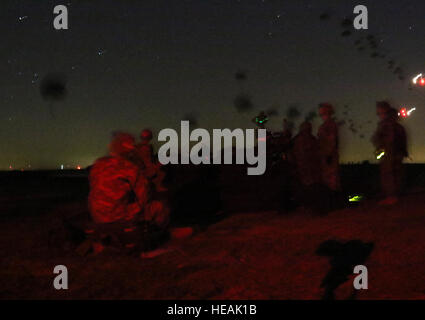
x,y
346,33
243,103
325,16
397,70
293,112
53,89
347,23
370,37
272,112
240,75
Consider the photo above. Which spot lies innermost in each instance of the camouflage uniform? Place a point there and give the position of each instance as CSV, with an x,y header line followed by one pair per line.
x,y
119,201
329,156
118,190
390,137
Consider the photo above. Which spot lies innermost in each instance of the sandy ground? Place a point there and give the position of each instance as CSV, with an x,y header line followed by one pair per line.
x,y
245,256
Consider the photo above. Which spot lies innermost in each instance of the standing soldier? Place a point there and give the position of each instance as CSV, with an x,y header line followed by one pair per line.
x,y
305,156
119,199
144,155
390,141
328,148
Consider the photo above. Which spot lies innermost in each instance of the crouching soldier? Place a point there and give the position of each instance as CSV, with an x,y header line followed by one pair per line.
x,y
120,204
390,141
144,157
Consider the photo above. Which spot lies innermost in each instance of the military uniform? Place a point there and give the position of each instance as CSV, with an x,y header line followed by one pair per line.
x,y
119,201
329,155
305,158
118,190
390,137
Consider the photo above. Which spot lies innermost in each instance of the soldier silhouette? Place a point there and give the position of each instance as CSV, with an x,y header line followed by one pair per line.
x,y
305,156
390,141
329,147
145,158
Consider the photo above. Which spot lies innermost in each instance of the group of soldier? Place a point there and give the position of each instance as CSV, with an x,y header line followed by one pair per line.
x,y
124,185
315,160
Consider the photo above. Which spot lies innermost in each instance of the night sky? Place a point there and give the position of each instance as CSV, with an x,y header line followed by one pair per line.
x,y
151,63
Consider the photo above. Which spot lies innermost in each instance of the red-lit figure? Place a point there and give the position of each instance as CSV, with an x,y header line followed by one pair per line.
x,y
329,147
119,197
305,157
390,137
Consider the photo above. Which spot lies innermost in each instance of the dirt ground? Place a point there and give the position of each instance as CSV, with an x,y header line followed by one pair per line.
x,y
262,255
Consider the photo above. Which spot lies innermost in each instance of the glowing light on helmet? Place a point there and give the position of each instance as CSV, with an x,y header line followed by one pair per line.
x,y
261,120
403,113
